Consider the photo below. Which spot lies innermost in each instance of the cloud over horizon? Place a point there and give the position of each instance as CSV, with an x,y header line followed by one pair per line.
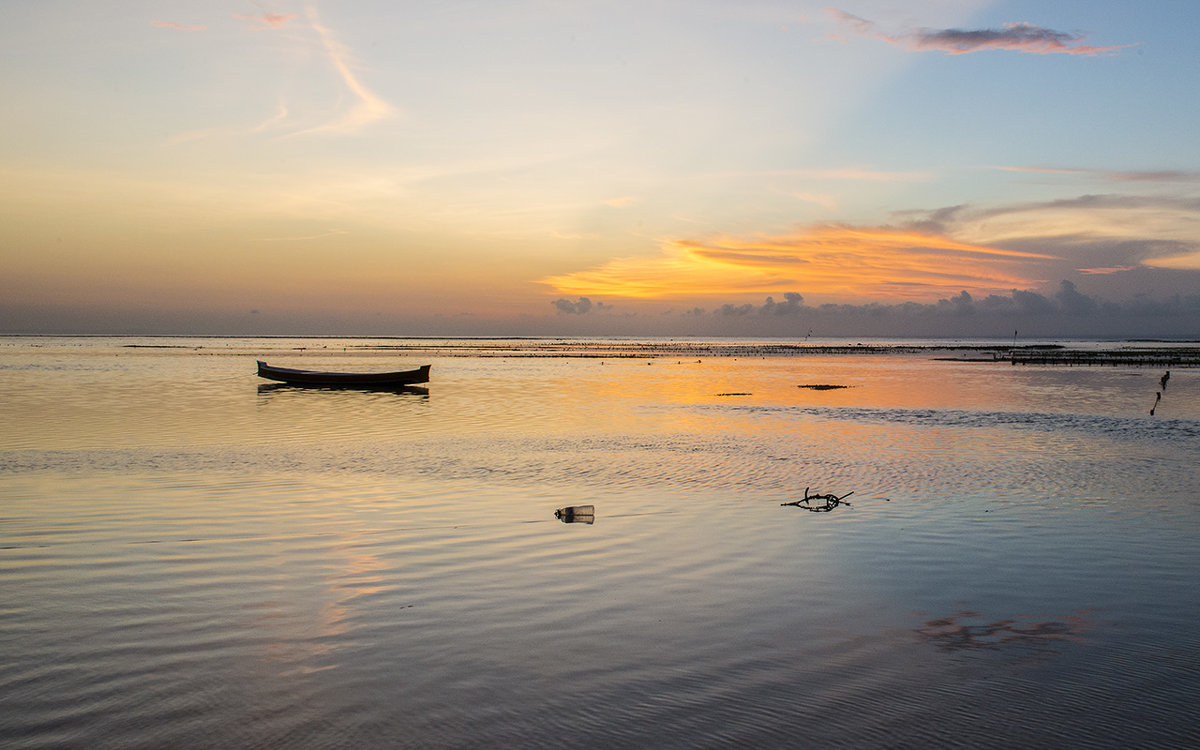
x,y
1063,311
582,306
832,260
1115,242
1067,299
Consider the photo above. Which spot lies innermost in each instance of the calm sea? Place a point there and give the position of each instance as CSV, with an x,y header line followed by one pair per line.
x,y
194,557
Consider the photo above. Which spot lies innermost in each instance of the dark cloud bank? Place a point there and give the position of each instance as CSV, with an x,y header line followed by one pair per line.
x,y
1065,313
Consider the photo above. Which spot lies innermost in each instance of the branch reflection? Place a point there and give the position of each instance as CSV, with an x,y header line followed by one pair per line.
x,y
958,633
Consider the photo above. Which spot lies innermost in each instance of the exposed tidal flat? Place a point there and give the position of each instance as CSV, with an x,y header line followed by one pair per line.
x,y
193,557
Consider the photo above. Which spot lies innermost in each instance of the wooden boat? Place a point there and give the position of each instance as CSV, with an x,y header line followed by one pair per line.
x,y
344,379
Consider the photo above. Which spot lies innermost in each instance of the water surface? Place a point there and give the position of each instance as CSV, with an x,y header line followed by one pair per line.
x,y
191,556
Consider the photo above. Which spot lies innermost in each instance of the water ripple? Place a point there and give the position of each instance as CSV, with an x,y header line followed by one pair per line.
x,y
218,565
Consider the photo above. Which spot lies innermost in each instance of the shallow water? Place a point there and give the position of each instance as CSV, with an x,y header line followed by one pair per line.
x,y
190,556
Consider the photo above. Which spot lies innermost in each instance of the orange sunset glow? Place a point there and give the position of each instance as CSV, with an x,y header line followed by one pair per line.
x,y
831,262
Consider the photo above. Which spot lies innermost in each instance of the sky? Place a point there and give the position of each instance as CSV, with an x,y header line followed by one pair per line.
x,y
546,167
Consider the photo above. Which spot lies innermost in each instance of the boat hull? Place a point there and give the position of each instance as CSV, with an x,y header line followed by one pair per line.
x,y
344,379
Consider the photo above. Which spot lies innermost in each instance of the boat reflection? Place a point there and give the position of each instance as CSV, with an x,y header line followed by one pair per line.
x,y
417,390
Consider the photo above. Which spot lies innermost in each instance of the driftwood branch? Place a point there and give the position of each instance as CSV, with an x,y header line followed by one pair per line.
x,y
827,502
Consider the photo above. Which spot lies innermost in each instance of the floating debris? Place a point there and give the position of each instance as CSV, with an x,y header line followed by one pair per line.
x,y
827,502
576,514
735,394
822,386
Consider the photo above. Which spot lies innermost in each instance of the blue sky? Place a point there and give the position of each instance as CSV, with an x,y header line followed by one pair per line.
x,y
469,167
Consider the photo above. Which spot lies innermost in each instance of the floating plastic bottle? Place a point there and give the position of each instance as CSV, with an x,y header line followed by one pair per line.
x,y
576,514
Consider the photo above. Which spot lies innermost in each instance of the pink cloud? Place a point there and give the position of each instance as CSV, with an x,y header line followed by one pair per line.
x,y
268,20
178,26
1014,37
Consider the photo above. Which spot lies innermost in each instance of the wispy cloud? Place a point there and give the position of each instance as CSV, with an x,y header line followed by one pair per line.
x,y
274,121
1041,170
192,136
263,21
1096,235
827,202
621,201
322,235
1189,261
1166,175
177,26
865,174
829,260
847,174
368,107
1160,175
1014,37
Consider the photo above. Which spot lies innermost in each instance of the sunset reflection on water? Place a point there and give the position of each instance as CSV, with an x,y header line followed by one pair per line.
x,y
287,562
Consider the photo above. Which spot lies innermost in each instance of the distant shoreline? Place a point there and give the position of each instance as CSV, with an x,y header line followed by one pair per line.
x,y
1140,352
935,342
